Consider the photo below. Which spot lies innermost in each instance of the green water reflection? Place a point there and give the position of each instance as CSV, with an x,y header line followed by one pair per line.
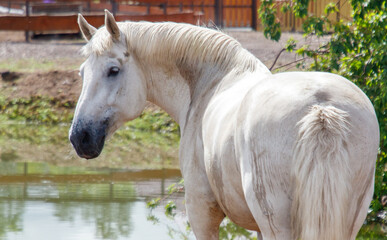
x,y
108,218
78,202
11,213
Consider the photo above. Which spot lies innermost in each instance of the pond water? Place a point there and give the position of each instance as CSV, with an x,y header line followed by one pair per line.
x,y
41,201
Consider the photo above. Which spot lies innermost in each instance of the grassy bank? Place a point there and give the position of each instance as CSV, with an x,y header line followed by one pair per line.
x,y
36,109
39,109
36,129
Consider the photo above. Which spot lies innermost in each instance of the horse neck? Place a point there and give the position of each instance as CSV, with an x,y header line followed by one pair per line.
x,y
183,64
170,88
185,95
168,91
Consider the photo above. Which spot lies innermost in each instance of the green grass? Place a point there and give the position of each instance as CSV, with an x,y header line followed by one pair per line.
x,y
36,109
150,141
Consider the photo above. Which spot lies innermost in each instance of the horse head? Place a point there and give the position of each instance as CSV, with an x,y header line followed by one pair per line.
x,y
112,91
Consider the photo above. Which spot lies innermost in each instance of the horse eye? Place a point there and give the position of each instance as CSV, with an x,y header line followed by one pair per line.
x,y
113,71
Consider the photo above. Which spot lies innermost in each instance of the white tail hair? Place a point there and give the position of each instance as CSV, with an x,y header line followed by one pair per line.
x,y
321,176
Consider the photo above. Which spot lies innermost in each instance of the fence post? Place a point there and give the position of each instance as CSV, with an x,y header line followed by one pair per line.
x,y
219,13
27,33
148,8
293,17
88,6
114,7
254,17
165,8
338,4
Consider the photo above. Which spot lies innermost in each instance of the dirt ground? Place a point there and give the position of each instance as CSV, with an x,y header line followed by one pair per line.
x,y
64,50
62,85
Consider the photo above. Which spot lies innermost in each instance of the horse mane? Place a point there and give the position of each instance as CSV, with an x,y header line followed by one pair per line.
x,y
178,43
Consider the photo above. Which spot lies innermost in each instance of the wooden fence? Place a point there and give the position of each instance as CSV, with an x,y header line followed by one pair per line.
x,y
68,23
61,15
44,15
316,8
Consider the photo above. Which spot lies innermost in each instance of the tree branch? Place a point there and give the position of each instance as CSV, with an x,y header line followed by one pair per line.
x,y
275,61
298,60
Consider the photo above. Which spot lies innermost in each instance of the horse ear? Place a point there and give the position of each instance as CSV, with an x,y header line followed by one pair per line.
x,y
111,25
86,29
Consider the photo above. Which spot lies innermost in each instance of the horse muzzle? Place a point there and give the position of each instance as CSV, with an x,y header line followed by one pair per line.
x,y
88,140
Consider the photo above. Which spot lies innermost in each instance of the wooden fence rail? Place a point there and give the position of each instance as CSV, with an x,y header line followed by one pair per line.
x,y
46,23
223,13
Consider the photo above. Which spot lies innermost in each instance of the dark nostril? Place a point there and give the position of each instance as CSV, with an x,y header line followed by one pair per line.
x,y
85,138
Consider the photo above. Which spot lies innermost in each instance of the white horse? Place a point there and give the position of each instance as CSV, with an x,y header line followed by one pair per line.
x,y
289,155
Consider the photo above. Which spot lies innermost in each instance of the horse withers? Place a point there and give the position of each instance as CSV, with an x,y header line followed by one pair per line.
x,y
289,155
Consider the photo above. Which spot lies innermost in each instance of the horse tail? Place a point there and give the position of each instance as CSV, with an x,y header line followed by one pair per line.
x,y
321,176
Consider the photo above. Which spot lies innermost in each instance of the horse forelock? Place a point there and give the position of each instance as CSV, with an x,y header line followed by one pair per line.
x,y
99,43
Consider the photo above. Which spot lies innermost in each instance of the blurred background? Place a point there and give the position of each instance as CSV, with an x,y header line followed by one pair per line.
x,y
46,191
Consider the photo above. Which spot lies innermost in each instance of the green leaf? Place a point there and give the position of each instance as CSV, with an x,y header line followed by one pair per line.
x,y
152,204
290,44
169,208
